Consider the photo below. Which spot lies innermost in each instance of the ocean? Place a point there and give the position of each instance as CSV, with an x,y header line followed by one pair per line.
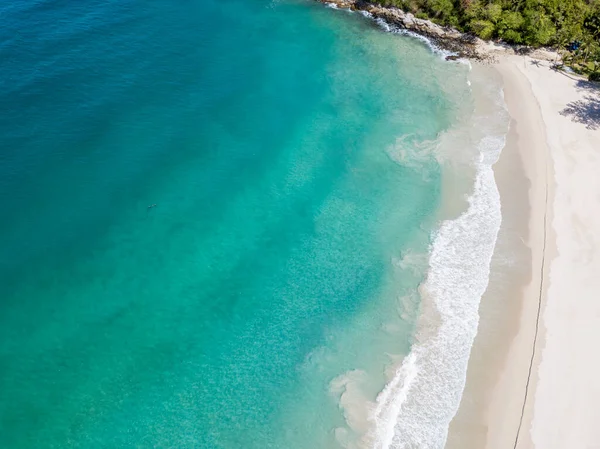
x,y
225,225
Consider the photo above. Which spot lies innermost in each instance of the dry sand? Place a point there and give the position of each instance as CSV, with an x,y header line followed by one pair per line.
x,y
534,376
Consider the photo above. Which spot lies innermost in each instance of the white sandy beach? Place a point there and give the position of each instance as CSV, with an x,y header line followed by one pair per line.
x,y
533,379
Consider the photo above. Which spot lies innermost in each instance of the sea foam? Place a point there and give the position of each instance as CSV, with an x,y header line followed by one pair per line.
x,y
428,386
390,28
423,392
415,408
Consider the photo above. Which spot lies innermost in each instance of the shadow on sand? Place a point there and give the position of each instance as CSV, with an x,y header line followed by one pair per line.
x,y
587,110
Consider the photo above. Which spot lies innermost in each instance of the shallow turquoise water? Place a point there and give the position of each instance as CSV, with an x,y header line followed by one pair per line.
x,y
217,319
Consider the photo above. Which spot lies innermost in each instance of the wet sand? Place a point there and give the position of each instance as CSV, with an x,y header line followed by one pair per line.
x,y
529,326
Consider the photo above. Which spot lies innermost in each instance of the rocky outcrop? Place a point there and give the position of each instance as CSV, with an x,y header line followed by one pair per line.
x,y
461,44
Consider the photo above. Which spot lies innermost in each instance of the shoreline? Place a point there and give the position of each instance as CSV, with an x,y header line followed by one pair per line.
x,y
528,383
459,45
497,373
530,376
434,371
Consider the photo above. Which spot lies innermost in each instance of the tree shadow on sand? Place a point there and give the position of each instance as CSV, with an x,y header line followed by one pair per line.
x,y
587,110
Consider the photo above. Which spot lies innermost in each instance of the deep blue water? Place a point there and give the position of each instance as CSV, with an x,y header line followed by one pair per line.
x,y
217,319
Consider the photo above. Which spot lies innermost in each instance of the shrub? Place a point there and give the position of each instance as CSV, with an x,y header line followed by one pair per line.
x,y
512,37
509,27
540,29
493,12
483,28
594,76
522,22
511,20
441,8
592,23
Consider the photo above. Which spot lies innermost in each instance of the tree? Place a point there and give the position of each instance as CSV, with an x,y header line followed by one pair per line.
x,y
539,28
530,22
591,24
482,28
444,10
510,27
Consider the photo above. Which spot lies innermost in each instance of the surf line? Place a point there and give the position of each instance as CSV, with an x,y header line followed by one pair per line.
x,y
539,306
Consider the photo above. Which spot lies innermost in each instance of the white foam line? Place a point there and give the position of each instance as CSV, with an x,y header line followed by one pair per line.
x,y
390,400
334,6
414,411
397,30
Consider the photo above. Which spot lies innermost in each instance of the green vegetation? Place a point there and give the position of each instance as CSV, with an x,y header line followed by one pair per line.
x,y
534,23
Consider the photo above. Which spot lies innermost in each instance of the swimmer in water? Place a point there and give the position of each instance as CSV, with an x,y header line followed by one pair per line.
x,y
151,206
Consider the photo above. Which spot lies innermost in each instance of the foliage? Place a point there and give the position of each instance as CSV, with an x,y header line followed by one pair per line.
x,y
540,30
482,28
591,23
533,23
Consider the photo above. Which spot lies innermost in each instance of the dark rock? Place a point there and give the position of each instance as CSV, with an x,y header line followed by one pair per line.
x,y
463,45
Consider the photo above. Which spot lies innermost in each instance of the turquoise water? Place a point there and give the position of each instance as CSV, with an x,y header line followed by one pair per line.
x,y
262,131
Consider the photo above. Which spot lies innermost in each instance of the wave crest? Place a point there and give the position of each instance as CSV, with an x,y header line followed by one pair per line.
x,y
414,409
